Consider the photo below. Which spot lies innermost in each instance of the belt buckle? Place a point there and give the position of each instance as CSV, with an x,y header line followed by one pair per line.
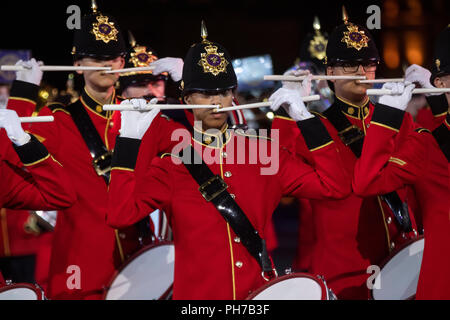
x,y
216,179
97,163
350,138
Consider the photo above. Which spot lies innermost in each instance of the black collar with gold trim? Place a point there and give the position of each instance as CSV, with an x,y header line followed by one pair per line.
x,y
212,139
352,110
93,104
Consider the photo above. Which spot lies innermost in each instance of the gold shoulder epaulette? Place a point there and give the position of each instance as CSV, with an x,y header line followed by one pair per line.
x,y
169,154
58,106
165,117
420,130
318,114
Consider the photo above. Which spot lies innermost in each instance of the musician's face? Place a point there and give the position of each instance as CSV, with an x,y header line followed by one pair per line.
x,y
443,82
98,79
209,118
349,88
153,88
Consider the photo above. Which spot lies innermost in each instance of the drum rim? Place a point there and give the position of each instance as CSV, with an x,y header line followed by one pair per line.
x,y
386,260
22,285
130,259
288,276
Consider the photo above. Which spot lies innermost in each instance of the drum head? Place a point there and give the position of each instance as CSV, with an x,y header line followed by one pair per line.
x,y
147,276
292,287
19,292
398,278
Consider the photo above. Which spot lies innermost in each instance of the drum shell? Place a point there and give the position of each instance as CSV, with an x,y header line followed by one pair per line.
x,y
317,279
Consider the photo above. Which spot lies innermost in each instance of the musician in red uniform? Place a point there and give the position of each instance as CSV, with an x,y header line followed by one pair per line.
x,y
214,258
86,252
355,232
436,118
41,183
388,163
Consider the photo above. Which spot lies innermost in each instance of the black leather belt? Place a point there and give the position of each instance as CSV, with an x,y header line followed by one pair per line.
x,y
353,138
101,156
214,190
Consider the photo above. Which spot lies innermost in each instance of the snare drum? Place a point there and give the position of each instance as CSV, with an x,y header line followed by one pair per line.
x,y
399,274
21,291
147,275
294,286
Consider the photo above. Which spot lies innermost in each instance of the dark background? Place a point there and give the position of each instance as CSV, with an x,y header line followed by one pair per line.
x,y
245,28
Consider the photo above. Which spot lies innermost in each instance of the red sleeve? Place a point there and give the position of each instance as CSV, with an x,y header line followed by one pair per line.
x,y
385,166
326,179
287,130
135,197
41,184
47,133
439,108
23,97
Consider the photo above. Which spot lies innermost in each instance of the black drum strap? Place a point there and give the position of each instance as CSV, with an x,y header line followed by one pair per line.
x,y
101,156
353,138
213,189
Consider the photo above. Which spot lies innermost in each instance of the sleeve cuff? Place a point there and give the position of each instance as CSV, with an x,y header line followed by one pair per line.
x,y
388,117
125,153
32,152
314,133
24,90
438,104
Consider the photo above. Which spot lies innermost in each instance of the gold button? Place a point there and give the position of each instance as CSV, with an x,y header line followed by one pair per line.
x,y
122,235
99,109
227,174
207,140
224,154
350,110
233,195
239,264
389,220
111,124
237,239
366,110
392,245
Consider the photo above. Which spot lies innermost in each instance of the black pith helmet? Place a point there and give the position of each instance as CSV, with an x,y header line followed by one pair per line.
x,y
441,58
313,47
139,56
99,37
207,67
350,43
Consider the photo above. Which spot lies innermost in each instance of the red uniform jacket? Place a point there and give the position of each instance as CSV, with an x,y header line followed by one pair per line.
x,y
40,184
18,238
355,232
210,260
82,240
385,166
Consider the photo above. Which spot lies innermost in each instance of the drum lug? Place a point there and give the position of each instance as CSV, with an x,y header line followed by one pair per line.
x,y
8,282
288,271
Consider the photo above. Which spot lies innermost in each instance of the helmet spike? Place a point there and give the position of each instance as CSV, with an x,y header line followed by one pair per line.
x,y
203,31
316,24
94,6
131,39
344,15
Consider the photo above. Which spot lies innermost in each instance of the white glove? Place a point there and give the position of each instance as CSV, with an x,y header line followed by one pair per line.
x,y
401,95
174,66
291,100
416,73
135,123
304,87
11,122
32,72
